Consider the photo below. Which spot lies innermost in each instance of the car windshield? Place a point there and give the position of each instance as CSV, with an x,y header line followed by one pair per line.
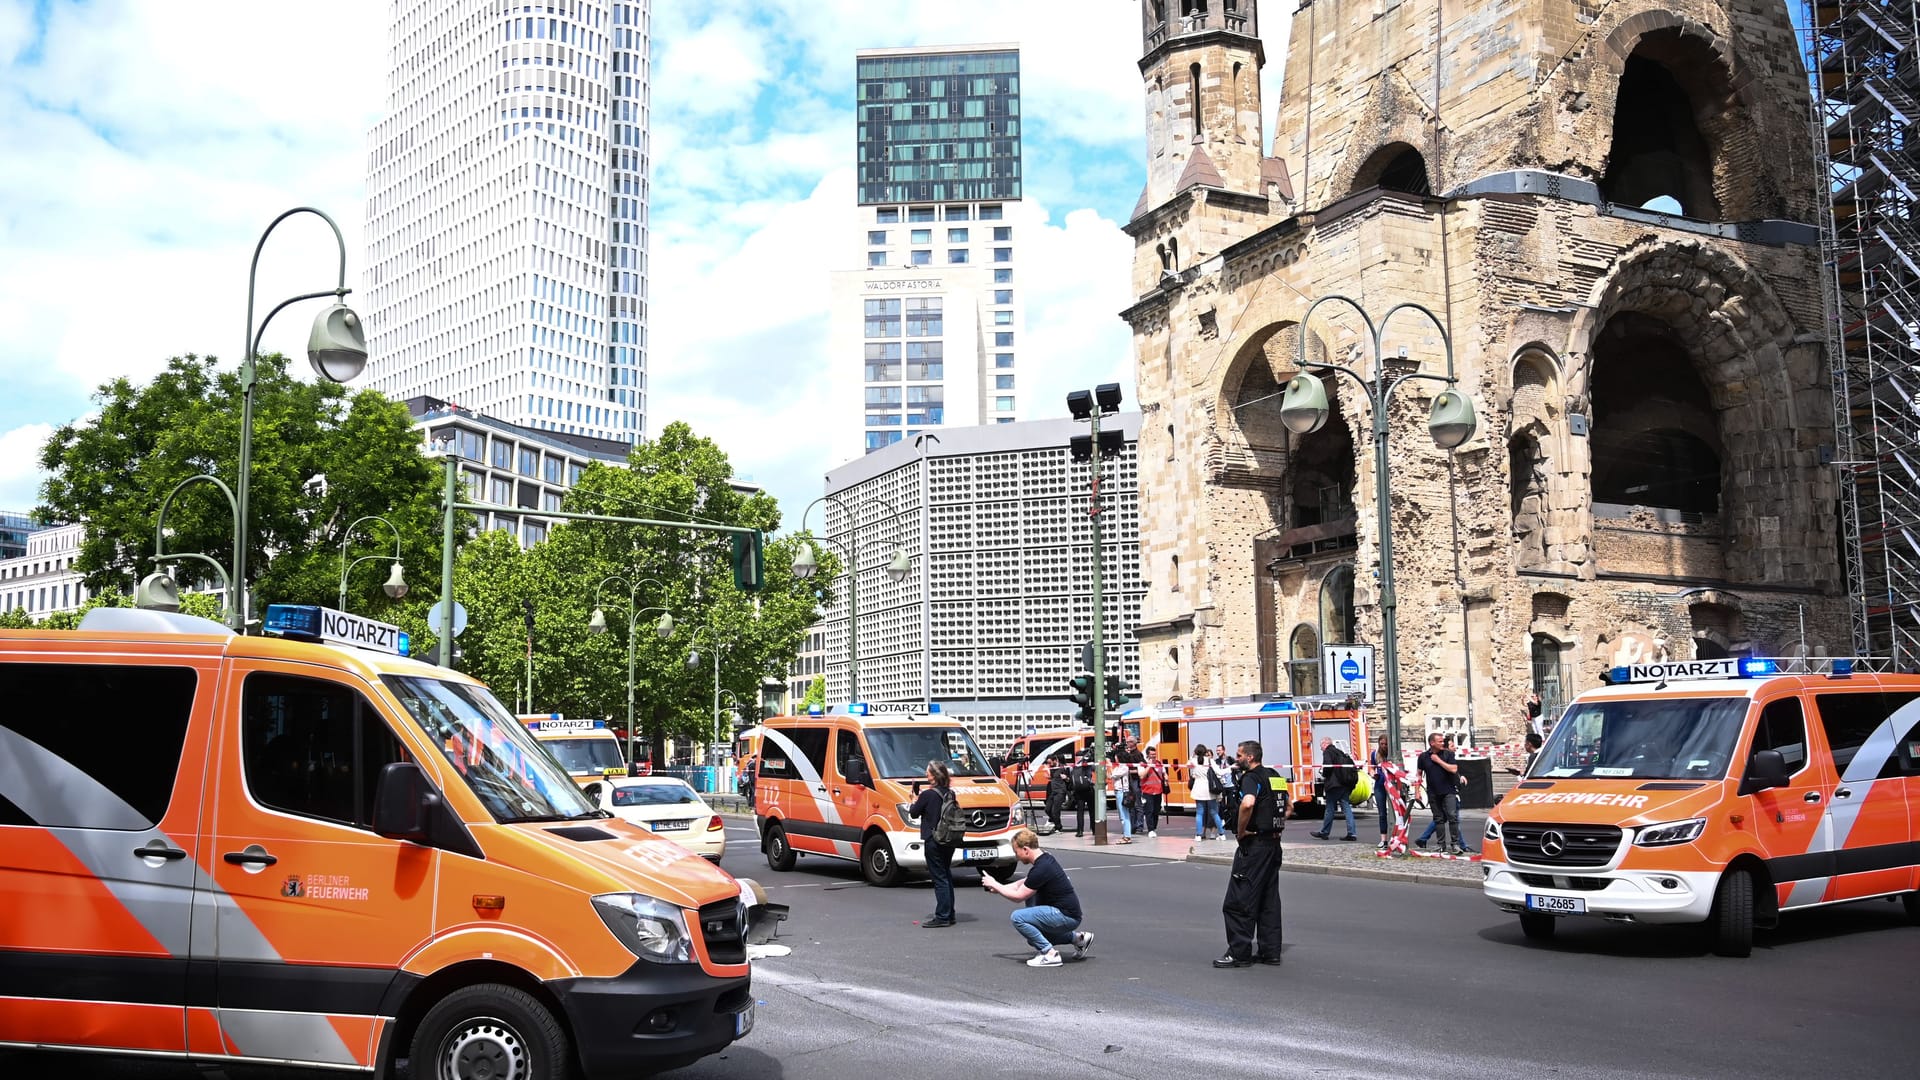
x,y
1673,738
586,754
491,750
654,795
902,753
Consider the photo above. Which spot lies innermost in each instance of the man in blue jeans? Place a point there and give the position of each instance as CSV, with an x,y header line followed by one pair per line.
x,y
1051,916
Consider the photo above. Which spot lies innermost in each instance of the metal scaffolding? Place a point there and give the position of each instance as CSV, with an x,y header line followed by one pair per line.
x,y
1866,98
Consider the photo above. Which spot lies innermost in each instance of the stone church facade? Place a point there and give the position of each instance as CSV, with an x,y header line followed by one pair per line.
x,y
1610,210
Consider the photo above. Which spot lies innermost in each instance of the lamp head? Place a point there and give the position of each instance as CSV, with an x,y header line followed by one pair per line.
x,y
1303,408
597,622
1108,395
157,592
900,567
396,586
664,627
1080,404
1452,421
806,564
337,347
693,659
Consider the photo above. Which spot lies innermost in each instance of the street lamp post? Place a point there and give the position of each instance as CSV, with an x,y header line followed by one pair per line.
x,y
924,441
396,586
597,624
337,349
158,591
693,660
1095,447
1304,408
806,564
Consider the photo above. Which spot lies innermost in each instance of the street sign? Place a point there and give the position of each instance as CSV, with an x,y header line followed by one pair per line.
x,y
459,619
1347,669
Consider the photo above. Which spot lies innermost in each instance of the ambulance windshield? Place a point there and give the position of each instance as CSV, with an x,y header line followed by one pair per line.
x,y
589,754
1665,738
492,751
902,753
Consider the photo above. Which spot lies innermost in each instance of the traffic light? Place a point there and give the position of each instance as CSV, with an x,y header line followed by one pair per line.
x,y
1083,693
526,607
749,561
1116,696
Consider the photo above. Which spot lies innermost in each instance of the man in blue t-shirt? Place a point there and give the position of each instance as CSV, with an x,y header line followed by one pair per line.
x,y
1051,916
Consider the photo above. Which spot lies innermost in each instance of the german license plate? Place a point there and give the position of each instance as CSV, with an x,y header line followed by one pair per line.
x,y
672,826
1556,905
743,1021
980,854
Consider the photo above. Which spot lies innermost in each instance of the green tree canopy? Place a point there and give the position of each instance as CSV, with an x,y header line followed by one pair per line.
x,y
112,471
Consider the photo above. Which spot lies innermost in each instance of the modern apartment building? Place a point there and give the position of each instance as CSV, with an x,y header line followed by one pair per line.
x,y
14,530
506,213
991,620
41,580
926,332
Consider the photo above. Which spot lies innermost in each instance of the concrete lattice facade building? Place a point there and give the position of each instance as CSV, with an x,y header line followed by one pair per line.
x,y
1611,209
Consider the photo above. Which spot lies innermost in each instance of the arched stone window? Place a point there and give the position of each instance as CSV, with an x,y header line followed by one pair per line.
x,y
1549,676
1336,605
1675,114
1303,661
1656,436
1394,167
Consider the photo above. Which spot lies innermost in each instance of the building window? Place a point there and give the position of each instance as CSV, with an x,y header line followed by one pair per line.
x,y
956,236
883,395
1003,419
1003,340
1003,318
926,404
876,258
1303,661
957,213
573,474
883,361
502,454
924,359
1003,404
1002,233
1003,275
536,533
1003,382
529,462
956,255
923,258
552,474
1336,606
887,215
990,213
920,236
883,318
919,213
1002,254
1003,296
924,317
877,238
878,439
1003,360
501,493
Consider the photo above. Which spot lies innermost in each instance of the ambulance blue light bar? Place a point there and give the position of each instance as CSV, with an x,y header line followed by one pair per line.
x,y
311,622
1279,706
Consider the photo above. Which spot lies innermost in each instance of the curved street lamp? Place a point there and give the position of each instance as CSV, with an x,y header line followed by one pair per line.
x,y
597,624
337,349
158,591
396,586
1304,408
806,564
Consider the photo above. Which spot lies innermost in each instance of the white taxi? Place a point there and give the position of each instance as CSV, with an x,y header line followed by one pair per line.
x,y
666,806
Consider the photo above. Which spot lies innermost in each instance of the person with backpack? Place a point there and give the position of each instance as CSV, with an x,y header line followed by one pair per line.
x,y
1337,779
1082,793
936,807
1203,782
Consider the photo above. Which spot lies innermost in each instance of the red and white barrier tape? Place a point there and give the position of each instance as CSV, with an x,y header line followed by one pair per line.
x,y
1397,844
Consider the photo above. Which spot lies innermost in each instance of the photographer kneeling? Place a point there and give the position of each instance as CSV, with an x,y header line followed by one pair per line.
x,y
1051,916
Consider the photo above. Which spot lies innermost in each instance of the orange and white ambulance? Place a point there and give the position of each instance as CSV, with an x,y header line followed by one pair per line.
x,y
587,749
1036,755
1288,729
227,850
1720,792
841,785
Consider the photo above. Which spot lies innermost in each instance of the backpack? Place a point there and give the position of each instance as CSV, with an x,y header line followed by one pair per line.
x,y
951,829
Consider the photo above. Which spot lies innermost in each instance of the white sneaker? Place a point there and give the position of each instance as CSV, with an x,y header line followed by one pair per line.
x,y
1050,958
1082,941
1152,833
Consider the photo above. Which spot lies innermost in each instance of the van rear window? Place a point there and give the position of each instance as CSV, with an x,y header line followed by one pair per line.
x,y
91,746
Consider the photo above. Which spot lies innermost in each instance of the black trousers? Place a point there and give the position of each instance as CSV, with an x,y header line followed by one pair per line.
x,y
1252,907
1082,809
940,869
1153,811
1053,810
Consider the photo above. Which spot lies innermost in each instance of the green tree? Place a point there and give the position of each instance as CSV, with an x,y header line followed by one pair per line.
x,y
816,694
112,470
680,476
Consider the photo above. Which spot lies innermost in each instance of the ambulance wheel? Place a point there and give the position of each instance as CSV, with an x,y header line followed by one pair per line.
x,y
492,1031
779,852
1537,927
877,863
1731,922
1912,902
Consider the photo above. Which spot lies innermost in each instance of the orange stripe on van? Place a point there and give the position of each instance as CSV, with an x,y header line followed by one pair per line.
x,y
70,909
89,1023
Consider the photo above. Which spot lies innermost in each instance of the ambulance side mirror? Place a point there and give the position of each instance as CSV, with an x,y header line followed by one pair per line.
x,y
1765,769
404,803
594,793
857,772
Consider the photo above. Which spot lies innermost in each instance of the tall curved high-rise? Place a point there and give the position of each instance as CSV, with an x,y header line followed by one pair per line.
x,y
506,212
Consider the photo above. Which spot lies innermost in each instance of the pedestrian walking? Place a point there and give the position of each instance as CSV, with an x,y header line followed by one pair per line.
x,y
1126,787
1082,793
1337,778
1153,789
1378,762
1059,791
1252,906
1204,784
1052,915
1535,724
927,808
1442,775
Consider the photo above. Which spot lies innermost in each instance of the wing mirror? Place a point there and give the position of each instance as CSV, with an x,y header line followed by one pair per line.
x,y
404,803
1765,769
595,793
857,772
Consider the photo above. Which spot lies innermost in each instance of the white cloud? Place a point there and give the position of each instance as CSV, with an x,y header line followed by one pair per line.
x,y
711,70
20,475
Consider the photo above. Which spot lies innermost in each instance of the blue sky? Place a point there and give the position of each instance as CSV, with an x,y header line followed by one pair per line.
x,y
160,138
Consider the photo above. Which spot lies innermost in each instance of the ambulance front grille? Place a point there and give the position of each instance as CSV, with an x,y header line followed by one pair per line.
x,y
1548,844
982,819
721,927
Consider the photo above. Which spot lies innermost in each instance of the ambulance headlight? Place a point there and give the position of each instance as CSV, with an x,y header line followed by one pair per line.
x,y
1493,830
1670,833
650,929
1017,815
907,815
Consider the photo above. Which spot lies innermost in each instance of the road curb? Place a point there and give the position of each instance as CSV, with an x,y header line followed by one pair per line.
x,y
1404,877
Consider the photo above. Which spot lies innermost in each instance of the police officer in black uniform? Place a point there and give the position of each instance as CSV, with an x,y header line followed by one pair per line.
x,y
1252,907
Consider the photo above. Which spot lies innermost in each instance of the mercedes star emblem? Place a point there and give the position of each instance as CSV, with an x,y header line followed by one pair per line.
x,y
1552,844
978,819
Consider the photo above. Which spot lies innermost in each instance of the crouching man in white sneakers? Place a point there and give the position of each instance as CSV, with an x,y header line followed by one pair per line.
x,y
1051,916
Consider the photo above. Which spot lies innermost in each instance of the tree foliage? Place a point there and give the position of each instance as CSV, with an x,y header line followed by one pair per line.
x,y
816,694
679,476
113,470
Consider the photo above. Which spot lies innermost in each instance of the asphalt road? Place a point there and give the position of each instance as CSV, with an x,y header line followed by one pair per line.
x,y
1380,980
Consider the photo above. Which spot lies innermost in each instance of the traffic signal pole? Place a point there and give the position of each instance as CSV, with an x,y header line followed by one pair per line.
x,y
1099,655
